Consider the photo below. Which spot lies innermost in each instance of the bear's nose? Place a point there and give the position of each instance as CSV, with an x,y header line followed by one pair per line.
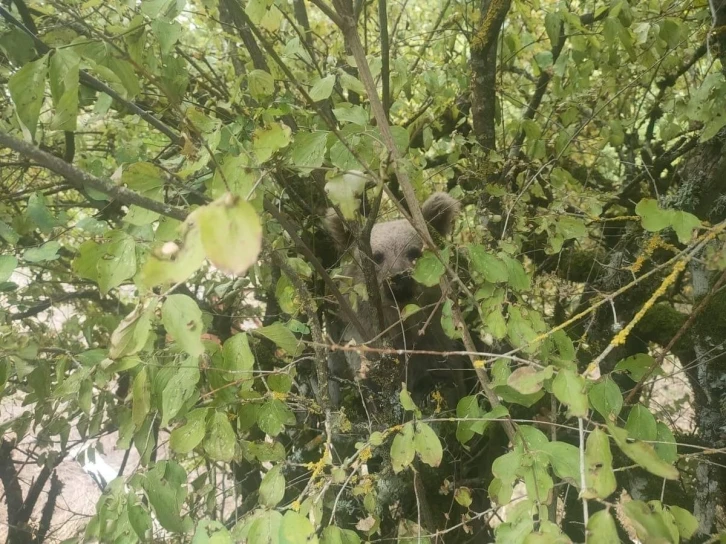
x,y
400,286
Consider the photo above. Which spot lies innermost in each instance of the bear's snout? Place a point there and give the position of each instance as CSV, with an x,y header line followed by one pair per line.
x,y
400,287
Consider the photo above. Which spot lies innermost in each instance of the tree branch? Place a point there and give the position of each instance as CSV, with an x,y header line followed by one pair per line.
x,y
80,179
385,56
345,307
484,70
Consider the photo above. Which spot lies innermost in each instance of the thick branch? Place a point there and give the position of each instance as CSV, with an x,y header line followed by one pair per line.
x,y
385,56
258,59
484,69
80,179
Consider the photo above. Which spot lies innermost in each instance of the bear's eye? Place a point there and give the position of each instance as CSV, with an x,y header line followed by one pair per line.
x,y
378,257
413,253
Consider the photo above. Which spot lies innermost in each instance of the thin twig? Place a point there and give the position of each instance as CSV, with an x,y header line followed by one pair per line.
x,y
583,479
686,325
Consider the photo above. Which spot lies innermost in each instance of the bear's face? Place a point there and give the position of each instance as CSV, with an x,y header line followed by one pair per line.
x,y
395,247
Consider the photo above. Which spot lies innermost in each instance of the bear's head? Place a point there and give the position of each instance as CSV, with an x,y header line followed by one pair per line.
x,y
395,245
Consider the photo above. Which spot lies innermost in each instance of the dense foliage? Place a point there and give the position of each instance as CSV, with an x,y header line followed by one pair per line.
x,y
166,278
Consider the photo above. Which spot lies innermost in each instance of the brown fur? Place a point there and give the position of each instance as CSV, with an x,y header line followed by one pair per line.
x,y
395,247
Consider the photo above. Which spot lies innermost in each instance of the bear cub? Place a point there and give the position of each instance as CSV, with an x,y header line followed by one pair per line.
x,y
395,247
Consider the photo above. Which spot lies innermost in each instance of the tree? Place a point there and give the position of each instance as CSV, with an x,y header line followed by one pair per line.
x,y
165,171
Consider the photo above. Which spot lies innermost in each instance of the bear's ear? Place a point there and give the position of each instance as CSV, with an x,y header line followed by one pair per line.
x,y
335,226
439,211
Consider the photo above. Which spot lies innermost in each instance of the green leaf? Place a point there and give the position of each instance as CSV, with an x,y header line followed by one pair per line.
x,y
267,141
713,126
564,350
336,535
650,525
447,321
635,366
131,334
606,398
506,467
322,88
489,266
641,424
110,263
178,390
468,407
462,495
63,77
403,450
526,380
282,337
654,219
599,476
220,440
427,445
27,88
571,227
165,485
147,180
517,276
428,269
8,234
666,447
238,360
47,252
569,388
234,176
495,323
272,487
684,224
231,234
351,83
39,214
553,24
141,397
8,264
352,114
186,437
520,331
344,191
182,319
273,416
165,9
296,529
211,532
406,400
261,84
685,521
265,529
601,528
643,454
308,149
167,33
565,461
172,263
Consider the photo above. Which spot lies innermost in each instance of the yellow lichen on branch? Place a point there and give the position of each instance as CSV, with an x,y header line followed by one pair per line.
x,y
620,338
488,29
